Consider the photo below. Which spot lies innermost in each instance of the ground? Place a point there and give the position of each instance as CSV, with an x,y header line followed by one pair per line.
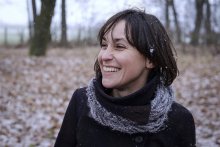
x,y
34,93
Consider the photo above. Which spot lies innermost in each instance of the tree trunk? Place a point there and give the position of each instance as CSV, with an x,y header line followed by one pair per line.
x,y
209,38
63,41
6,36
34,14
198,22
216,23
178,30
42,28
167,23
21,35
34,11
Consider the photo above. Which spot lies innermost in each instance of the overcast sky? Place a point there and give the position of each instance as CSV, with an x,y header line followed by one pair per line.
x,y
14,12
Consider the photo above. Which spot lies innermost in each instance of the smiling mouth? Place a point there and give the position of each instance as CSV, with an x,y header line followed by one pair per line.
x,y
110,69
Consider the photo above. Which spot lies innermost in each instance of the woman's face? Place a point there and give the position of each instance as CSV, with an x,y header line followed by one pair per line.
x,y
122,66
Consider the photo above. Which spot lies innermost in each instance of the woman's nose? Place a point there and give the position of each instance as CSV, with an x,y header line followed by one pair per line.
x,y
107,54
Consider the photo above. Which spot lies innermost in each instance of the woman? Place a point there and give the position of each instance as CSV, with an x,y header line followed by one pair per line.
x,y
130,101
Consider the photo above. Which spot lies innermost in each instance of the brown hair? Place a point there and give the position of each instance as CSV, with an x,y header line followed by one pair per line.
x,y
146,33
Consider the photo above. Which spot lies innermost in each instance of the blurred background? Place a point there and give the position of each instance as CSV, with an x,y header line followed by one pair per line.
x,y
48,47
76,22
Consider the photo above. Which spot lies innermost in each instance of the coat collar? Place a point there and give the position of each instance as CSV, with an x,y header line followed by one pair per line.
x,y
134,107
149,117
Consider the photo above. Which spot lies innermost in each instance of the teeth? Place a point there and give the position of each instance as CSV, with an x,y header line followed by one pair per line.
x,y
110,69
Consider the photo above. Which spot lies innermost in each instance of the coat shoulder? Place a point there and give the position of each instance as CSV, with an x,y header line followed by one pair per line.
x,y
182,123
179,112
79,96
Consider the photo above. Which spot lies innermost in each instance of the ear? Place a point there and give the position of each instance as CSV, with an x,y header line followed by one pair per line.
x,y
149,64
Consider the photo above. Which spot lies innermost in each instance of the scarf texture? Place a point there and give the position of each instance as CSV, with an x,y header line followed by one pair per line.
x,y
160,106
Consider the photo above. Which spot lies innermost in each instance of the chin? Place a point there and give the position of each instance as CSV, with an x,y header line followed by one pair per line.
x,y
107,84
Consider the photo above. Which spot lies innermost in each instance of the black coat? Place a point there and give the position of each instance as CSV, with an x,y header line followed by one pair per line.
x,y
78,129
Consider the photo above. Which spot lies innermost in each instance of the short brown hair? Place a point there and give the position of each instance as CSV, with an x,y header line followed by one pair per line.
x,y
146,33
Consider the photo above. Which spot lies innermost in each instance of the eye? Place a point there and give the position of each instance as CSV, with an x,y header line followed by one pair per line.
x,y
103,45
120,46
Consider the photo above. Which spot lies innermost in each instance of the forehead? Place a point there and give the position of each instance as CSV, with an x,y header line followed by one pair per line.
x,y
117,31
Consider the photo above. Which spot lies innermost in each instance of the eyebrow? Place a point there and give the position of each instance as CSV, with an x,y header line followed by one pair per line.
x,y
116,39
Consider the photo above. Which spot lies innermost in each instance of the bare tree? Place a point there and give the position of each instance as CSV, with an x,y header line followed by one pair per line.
x,y
6,36
167,20
63,41
42,28
178,30
34,11
34,14
203,17
209,33
216,23
198,21
170,4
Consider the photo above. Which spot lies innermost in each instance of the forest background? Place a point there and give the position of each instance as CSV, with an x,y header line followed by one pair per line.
x,y
48,47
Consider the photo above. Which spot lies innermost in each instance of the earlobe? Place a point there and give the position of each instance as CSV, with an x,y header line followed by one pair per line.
x,y
149,64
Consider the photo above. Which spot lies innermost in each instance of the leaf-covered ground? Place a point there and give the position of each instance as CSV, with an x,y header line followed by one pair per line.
x,y
34,93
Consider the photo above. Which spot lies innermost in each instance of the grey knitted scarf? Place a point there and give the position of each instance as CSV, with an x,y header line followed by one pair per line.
x,y
160,106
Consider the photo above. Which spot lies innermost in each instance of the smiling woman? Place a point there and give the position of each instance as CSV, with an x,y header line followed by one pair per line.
x,y
130,101
123,68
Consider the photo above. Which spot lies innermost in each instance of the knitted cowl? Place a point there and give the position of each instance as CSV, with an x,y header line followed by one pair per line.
x,y
155,119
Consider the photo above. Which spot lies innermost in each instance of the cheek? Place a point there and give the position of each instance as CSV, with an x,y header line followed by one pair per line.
x,y
134,63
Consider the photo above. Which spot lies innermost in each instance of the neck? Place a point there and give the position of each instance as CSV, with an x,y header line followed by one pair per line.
x,y
121,92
